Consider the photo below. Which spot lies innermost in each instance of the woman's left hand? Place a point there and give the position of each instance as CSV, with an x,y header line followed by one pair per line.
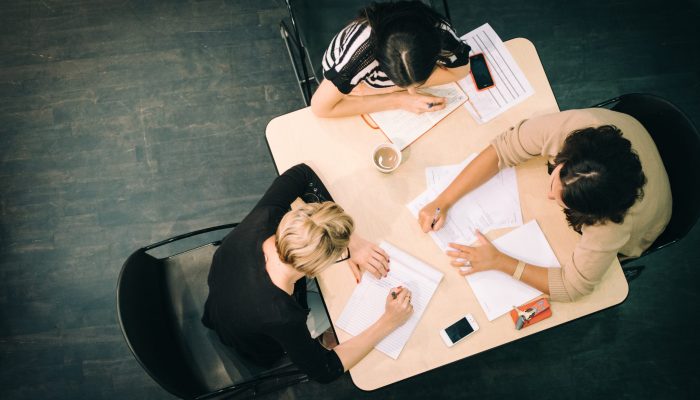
x,y
367,256
479,258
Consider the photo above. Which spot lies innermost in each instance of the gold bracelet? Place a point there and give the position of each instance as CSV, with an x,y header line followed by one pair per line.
x,y
519,270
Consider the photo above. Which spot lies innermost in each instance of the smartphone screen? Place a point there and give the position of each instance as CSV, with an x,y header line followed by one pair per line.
x,y
459,330
480,71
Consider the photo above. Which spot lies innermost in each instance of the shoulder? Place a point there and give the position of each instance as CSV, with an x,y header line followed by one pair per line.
x,y
607,236
354,38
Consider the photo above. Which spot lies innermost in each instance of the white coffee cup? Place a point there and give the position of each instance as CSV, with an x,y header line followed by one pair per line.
x,y
386,157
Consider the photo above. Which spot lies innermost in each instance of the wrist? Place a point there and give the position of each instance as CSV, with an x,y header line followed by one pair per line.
x,y
443,202
385,324
507,264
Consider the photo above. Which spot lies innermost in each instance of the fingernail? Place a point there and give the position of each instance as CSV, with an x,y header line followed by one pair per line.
x,y
460,260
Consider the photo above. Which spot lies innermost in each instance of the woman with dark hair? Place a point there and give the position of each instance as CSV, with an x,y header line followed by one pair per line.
x,y
608,177
380,60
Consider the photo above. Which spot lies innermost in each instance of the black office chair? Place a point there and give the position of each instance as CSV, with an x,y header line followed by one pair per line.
x,y
311,26
679,146
159,306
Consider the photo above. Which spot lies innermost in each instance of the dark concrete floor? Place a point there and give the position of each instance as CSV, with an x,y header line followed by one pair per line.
x,y
126,122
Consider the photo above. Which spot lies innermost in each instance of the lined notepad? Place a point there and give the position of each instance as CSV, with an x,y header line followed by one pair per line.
x,y
511,85
404,127
368,300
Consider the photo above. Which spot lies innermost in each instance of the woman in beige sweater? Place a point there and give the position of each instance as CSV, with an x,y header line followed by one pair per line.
x,y
606,174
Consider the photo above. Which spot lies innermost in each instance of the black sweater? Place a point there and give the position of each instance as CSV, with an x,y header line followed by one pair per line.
x,y
244,307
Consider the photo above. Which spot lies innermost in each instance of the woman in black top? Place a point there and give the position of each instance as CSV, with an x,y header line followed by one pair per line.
x,y
257,297
380,60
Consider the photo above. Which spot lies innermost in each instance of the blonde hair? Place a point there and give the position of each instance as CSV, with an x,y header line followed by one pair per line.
x,y
311,237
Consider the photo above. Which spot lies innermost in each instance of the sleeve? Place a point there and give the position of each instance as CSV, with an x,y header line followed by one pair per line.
x,y
591,259
298,181
455,51
320,364
540,136
348,54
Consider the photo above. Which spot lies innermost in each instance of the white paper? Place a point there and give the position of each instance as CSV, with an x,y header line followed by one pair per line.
x,y
497,292
493,205
511,86
403,127
367,303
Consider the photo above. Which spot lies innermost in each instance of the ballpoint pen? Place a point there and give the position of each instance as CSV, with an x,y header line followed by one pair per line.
x,y
435,218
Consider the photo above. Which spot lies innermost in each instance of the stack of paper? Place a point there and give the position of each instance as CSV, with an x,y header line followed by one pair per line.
x,y
511,86
368,300
493,205
497,292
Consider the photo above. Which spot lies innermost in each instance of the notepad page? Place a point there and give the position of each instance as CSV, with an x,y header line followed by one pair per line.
x,y
498,293
368,300
511,85
493,205
404,127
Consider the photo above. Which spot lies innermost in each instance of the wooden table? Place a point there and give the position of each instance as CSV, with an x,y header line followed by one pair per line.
x,y
339,149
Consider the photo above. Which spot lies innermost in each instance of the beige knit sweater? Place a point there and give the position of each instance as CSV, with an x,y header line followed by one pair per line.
x,y
599,244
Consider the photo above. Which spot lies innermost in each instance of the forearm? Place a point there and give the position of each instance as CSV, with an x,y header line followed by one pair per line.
x,y
355,349
480,170
537,277
355,105
446,75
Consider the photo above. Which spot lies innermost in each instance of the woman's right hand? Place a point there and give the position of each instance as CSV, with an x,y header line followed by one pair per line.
x,y
426,216
398,309
420,103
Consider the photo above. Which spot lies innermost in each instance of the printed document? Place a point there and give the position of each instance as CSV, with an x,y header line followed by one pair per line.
x,y
497,292
493,205
511,86
368,300
404,127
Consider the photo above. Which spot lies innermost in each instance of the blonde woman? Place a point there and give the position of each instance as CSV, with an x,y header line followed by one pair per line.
x,y
257,285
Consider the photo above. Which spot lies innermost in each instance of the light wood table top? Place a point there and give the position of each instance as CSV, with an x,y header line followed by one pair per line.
x,y
339,150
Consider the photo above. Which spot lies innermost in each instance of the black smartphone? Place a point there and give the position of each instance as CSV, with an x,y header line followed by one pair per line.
x,y
459,330
480,72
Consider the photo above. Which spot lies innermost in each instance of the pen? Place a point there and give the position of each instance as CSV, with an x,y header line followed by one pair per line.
x,y
435,218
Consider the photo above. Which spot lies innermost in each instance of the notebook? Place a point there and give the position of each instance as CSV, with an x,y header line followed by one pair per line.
x,y
367,303
404,127
498,293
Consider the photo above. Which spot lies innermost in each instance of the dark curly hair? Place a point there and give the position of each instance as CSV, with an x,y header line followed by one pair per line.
x,y
601,176
407,39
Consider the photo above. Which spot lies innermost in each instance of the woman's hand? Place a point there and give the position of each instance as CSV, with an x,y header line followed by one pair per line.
x,y
426,216
479,258
367,256
420,103
398,308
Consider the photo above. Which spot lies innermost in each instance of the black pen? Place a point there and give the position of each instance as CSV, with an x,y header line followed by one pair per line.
x,y
435,218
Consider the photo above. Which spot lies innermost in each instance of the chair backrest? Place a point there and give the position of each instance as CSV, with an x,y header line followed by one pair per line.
x,y
319,21
160,303
145,318
678,143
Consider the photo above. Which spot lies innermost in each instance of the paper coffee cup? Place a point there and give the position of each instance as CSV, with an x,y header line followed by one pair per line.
x,y
386,157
